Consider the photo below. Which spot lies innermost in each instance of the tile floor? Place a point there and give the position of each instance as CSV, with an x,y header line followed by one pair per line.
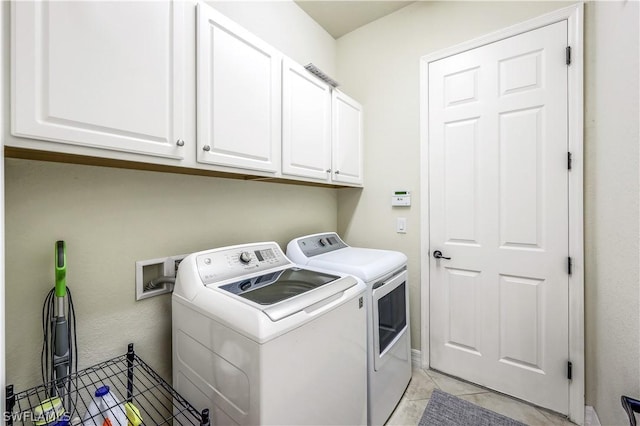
x,y
415,399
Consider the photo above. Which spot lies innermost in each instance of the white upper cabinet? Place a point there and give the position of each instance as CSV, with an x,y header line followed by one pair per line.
x,y
176,84
306,124
346,140
238,96
101,74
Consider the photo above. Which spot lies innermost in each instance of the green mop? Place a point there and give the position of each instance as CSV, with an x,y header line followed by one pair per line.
x,y
59,346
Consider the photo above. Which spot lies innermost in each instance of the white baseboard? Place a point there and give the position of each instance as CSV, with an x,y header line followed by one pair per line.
x,y
416,358
591,417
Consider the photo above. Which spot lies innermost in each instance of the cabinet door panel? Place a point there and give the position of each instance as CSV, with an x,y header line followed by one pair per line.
x,y
306,123
347,139
239,96
100,74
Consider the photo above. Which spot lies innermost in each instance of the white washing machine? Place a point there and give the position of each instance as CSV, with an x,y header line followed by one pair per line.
x,y
389,342
261,341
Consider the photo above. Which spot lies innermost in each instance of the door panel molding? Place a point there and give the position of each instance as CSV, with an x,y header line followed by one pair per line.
x,y
573,15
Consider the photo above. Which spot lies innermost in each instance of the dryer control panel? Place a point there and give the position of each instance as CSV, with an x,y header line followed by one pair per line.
x,y
314,245
219,265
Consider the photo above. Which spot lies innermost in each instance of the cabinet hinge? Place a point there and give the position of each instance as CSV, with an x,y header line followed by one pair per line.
x,y
568,160
569,370
568,55
569,265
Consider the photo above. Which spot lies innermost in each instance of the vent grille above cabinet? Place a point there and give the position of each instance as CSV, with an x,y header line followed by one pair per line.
x,y
322,76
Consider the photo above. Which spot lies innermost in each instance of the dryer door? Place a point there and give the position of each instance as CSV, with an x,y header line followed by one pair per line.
x,y
390,316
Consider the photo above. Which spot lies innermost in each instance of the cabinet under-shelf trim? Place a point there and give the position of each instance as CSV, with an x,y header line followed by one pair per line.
x,y
57,157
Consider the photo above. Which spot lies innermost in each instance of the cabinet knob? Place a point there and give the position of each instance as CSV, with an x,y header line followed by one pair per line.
x,y
337,172
328,170
180,142
206,148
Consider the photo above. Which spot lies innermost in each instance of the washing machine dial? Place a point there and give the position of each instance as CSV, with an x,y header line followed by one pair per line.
x,y
323,242
245,257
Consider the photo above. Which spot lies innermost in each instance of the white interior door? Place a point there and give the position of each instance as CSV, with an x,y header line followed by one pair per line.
x,y
499,209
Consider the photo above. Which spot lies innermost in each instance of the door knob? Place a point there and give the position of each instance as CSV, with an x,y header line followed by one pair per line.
x,y
438,255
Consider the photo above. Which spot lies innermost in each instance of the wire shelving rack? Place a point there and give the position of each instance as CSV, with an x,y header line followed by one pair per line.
x,y
129,378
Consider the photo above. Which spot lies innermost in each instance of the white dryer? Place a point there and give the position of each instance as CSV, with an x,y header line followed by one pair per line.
x,y
259,340
389,343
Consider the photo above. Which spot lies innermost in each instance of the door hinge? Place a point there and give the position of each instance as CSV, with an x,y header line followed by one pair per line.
x,y
569,160
569,370
568,55
569,265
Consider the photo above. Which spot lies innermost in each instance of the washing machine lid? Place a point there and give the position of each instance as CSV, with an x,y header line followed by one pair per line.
x,y
366,264
328,251
283,293
274,287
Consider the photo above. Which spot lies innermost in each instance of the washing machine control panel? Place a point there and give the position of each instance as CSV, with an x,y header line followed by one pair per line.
x,y
320,244
218,265
245,257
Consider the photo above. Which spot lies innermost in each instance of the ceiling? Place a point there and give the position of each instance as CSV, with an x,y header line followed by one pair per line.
x,y
341,17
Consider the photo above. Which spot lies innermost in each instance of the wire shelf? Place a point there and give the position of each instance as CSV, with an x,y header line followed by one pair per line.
x,y
129,378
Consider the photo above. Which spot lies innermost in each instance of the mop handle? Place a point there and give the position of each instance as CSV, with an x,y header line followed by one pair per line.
x,y
61,269
61,339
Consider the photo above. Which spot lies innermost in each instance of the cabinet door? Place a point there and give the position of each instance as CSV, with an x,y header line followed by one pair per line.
x,y
346,140
239,99
100,74
306,123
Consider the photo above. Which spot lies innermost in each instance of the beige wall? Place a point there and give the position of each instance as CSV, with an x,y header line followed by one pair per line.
x,y
110,218
378,64
612,190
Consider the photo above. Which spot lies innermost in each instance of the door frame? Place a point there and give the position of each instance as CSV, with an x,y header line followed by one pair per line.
x,y
574,16
4,18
